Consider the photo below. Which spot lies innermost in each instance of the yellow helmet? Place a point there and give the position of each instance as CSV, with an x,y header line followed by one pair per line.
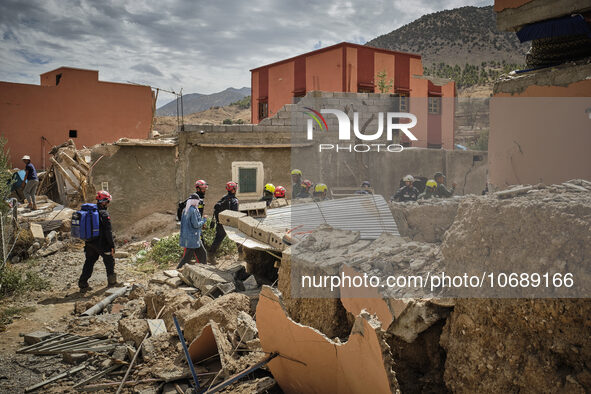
x,y
295,171
431,183
320,188
270,188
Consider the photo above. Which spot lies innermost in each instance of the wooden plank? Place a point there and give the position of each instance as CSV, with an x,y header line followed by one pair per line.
x,y
74,163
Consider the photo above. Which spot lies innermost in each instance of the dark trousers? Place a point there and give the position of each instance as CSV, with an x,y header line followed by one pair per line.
x,y
199,253
220,234
92,254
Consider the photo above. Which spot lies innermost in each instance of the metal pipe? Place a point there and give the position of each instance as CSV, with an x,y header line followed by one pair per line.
x,y
101,305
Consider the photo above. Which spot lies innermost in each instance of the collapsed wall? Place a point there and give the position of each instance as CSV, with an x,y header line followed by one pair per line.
x,y
465,344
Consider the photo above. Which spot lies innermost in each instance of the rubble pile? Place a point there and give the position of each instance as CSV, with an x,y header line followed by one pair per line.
x,y
68,178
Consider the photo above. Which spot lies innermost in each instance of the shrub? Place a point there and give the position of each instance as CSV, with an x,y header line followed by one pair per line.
x,y
15,280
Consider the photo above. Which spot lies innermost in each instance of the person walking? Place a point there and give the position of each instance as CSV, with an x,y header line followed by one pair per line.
x,y
190,239
101,246
229,201
31,182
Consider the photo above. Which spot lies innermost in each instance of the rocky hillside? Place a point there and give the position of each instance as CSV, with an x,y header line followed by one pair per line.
x,y
197,102
458,36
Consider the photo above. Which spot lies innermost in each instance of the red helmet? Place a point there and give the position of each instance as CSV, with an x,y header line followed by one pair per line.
x,y
280,192
201,183
306,183
231,186
103,196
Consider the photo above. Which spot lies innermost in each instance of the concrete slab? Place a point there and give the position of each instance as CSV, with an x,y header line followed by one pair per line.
x,y
171,273
230,218
37,231
36,337
156,327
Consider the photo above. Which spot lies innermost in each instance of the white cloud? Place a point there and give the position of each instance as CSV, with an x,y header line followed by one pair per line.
x,y
201,46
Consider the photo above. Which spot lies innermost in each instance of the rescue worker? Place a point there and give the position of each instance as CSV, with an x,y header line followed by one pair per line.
x,y
229,201
190,238
429,190
32,181
407,192
441,190
280,192
268,193
365,188
305,187
296,180
320,192
101,246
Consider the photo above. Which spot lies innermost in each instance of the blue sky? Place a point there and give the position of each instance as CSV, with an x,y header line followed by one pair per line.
x,y
200,46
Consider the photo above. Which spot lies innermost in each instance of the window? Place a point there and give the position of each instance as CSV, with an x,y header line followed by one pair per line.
x,y
73,134
435,105
263,110
402,102
58,78
250,177
247,180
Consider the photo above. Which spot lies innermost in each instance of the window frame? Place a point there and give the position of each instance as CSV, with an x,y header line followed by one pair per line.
x,y
260,178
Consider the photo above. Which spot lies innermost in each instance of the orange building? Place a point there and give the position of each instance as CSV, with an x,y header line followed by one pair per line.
x,y
71,103
347,67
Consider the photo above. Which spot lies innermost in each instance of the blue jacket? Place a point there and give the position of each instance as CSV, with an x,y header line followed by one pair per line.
x,y
191,224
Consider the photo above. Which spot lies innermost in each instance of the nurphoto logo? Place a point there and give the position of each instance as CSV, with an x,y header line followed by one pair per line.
x,y
392,123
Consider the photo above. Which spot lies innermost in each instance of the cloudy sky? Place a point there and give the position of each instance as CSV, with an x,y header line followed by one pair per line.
x,y
200,46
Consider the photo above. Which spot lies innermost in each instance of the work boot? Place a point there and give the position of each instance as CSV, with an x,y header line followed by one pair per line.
x,y
84,289
111,280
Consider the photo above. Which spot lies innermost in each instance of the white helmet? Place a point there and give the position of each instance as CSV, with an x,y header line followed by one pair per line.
x,y
408,178
26,157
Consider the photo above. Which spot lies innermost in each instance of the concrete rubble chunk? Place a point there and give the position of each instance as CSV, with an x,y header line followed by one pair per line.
x,y
250,283
221,289
159,279
121,255
51,249
133,330
211,341
37,231
230,218
174,282
156,326
74,358
36,337
247,327
416,318
120,353
200,276
223,310
51,237
171,273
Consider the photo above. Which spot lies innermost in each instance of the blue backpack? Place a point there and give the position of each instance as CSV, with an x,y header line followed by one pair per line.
x,y
85,222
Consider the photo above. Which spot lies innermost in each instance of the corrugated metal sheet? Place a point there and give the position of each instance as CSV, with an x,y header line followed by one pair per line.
x,y
367,214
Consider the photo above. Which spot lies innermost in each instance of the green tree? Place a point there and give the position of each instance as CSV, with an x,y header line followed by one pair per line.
x,y
383,85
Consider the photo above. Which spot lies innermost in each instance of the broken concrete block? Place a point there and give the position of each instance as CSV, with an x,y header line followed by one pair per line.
x,y
120,353
188,289
250,283
51,237
36,337
224,311
221,289
247,327
174,282
246,224
51,249
276,240
148,350
156,327
201,276
74,358
171,273
159,279
37,231
416,318
133,330
230,218
121,255
261,233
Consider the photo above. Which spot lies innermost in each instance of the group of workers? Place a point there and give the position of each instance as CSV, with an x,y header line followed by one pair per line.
x,y
433,188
